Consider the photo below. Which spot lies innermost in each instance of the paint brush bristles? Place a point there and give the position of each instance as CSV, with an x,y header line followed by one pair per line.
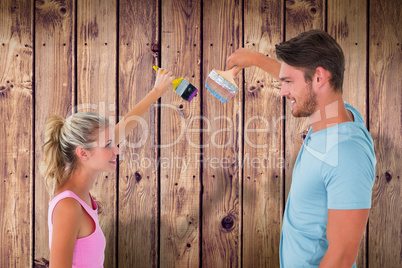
x,y
183,88
221,84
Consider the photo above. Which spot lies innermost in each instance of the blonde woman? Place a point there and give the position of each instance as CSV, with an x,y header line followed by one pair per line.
x,y
75,151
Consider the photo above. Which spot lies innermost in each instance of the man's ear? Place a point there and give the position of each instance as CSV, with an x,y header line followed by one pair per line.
x,y
321,76
81,153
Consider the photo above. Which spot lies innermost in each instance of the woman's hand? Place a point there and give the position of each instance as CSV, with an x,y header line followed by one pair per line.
x,y
163,80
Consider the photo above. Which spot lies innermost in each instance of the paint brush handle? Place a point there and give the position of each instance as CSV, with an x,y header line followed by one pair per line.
x,y
175,82
156,68
228,75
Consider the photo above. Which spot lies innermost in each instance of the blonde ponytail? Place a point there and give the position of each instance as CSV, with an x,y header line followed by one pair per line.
x,y
62,137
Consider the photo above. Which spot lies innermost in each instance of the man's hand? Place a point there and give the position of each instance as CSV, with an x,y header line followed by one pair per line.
x,y
243,58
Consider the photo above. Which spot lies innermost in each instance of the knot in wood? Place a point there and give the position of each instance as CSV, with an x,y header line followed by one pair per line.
x,y
313,10
42,262
155,47
227,222
252,89
388,177
4,90
138,176
100,207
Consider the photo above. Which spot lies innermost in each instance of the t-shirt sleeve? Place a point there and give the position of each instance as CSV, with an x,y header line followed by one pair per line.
x,y
350,181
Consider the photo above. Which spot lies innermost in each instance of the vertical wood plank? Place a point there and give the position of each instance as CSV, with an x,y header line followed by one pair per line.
x,y
96,92
301,16
263,151
347,23
221,158
16,127
180,137
54,90
385,109
138,176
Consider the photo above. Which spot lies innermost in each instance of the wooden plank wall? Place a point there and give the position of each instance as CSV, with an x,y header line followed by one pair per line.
x,y
263,141
138,183
180,47
221,177
200,184
17,124
385,119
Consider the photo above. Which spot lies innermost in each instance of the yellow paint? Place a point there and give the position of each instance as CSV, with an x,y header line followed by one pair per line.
x,y
175,82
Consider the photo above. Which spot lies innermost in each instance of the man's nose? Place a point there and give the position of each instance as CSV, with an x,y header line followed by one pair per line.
x,y
284,91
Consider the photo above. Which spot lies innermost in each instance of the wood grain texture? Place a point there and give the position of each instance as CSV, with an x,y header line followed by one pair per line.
x,y
347,23
16,127
54,90
96,92
138,176
263,161
221,173
197,36
180,137
301,16
385,102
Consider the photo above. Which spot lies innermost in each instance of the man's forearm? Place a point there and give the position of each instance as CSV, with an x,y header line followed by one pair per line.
x,y
270,65
338,258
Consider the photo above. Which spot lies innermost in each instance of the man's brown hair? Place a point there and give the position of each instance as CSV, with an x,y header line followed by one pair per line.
x,y
313,49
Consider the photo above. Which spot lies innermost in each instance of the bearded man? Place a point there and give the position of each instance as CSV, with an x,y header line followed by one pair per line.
x,y
329,200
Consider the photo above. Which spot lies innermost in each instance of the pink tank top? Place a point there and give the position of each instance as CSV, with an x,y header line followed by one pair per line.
x,y
88,251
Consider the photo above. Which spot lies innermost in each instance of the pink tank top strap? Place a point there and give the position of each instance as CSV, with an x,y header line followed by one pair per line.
x,y
92,211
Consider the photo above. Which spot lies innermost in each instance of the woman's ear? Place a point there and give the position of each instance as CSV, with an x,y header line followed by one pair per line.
x,y
81,153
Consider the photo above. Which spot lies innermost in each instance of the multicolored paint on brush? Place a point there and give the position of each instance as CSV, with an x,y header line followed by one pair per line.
x,y
221,84
183,88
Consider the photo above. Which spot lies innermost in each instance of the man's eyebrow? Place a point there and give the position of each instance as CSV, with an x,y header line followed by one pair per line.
x,y
284,78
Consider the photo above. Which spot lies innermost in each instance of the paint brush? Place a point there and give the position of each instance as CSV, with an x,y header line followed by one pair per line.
x,y
221,84
183,88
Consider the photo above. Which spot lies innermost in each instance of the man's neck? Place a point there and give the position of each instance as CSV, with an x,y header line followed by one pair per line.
x,y
330,113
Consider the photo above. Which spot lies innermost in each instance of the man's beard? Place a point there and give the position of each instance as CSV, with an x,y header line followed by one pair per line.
x,y
308,105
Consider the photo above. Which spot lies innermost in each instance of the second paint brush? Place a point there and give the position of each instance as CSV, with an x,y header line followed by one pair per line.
x,y
221,84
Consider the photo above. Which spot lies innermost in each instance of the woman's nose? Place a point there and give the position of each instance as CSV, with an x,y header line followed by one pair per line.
x,y
116,150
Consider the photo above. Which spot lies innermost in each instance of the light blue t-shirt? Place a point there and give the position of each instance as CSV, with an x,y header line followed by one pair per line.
x,y
335,169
